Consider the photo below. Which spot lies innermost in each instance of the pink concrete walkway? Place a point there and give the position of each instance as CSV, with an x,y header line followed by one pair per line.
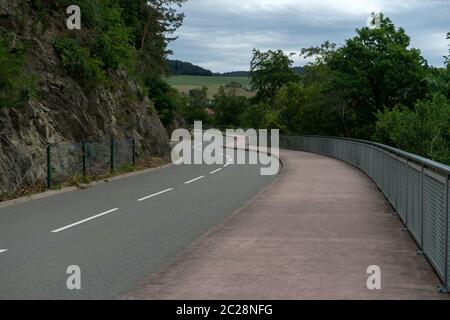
x,y
310,235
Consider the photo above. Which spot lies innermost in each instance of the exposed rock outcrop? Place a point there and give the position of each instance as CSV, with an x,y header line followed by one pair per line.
x,y
64,111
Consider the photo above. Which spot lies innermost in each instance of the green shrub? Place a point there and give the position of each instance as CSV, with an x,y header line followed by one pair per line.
x,y
165,98
114,41
253,116
78,62
109,40
89,8
193,107
228,106
15,87
425,130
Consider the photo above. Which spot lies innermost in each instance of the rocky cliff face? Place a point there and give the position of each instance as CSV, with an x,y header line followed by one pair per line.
x,y
64,111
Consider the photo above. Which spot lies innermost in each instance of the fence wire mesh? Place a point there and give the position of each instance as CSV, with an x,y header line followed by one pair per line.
x,y
23,172
37,168
90,159
98,158
66,161
124,154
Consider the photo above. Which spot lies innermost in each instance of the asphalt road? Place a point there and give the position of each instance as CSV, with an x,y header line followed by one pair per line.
x,y
118,232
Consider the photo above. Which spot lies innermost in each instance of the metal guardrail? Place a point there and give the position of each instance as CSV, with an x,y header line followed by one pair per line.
x,y
416,187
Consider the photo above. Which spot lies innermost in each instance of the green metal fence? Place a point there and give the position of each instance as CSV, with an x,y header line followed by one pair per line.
x,y
36,168
89,159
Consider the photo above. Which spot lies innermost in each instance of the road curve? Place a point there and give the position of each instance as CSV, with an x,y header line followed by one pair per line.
x,y
117,233
313,234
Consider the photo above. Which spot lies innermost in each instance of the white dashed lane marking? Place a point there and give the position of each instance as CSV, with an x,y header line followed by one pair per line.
x,y
85,220
193,180
154,195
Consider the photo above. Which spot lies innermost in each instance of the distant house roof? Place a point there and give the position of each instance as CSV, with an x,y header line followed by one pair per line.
x,y
210,112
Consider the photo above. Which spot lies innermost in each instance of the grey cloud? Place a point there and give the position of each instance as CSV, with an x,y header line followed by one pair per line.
x,y
220,35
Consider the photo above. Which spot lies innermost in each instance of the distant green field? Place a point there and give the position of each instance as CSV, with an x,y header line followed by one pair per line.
x,y
206,81
186,83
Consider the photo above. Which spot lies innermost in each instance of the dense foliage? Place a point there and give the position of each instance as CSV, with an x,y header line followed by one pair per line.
x,y
116,35
424,129
270,71
192,107
78,62
130,36
166,99
228,106
377,70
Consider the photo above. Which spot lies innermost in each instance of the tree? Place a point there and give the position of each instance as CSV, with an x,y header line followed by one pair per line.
x,y
438,80
165,98
310,106
270,71
253,116
228,106
272,120
114,42
321,54
423,130
122,34
152,22
447,59
305,109
376,70
193,108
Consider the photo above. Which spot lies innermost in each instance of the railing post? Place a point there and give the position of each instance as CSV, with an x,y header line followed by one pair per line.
x,y
397,173
372,163
422,173
49,166
382,171
112,155
390,176
407,193
83,147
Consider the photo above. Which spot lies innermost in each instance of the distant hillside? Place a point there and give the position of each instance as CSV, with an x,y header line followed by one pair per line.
x,y
299,70
206,81
181,68
239,74
246,74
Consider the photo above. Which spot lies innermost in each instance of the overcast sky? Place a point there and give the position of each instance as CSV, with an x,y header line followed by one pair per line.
x,y
220,34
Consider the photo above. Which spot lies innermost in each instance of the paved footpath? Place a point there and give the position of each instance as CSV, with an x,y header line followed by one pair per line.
x,y
310,235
